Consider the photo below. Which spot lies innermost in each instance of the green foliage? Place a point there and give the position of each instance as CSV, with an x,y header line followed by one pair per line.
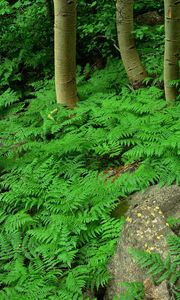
x,y
95,36
32,56
55,229
145,35
160,269
57,232
99,39
141,5
25,45
134,291
173,222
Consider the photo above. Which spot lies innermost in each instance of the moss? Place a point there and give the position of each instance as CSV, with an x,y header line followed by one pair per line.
x,y
121,209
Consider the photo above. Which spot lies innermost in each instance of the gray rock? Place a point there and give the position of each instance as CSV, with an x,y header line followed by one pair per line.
x,y
145,229
167,198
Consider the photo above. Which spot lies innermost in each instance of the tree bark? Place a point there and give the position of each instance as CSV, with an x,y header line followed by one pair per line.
x,y
130,57
172,48
65,51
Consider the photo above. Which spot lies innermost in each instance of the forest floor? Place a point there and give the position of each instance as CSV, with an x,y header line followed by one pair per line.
x,y
64,172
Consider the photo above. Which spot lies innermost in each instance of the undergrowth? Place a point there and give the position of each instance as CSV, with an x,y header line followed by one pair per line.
x,y
57,231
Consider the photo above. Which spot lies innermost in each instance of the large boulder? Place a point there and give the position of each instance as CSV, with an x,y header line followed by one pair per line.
x,y
145,229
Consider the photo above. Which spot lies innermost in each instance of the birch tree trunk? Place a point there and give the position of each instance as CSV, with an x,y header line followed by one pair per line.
x,y
172,47
130,57
65,51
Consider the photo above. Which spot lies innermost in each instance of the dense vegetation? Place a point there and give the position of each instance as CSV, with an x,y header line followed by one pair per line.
x,y
58,196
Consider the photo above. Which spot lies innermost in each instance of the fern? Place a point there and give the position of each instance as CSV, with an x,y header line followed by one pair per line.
x,y
134,291
159,269
56,198
8,98
173,222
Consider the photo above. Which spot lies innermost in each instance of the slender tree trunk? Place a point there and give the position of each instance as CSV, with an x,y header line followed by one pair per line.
x,y
172,47
65,51
129,54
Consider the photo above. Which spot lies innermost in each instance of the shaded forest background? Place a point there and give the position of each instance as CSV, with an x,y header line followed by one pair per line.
x,y
64,173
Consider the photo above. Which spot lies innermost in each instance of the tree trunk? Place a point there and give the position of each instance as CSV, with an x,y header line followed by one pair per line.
x,y
65,51
129,54
172,47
